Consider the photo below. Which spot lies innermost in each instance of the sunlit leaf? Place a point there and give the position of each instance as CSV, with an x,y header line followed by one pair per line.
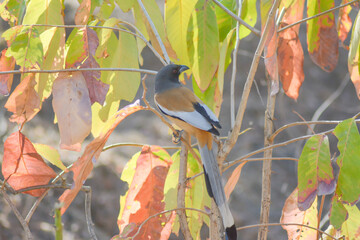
x,y
44,12
205,37
145,175
11,10
249,15
233,179
6,64
348,185
23,167
315,173
292,214
353,58
83,13
344,21
50,154
351,227
126,5
84,165
177,18
338,212
24,102
72,107
322,37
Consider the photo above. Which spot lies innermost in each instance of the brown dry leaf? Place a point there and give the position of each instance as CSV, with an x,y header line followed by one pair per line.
x,y
72,107
83,13
84,165
23,167
145,196
6,64
292,214
233,179
24,102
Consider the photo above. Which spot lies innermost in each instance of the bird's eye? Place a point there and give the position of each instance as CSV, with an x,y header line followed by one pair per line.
x,y
175,71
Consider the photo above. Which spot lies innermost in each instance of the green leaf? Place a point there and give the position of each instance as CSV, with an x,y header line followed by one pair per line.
x,y
348,186
265,6
142,28
205,37
75,51
26,48
249,15
125,5
354,55
225,21
12,11
338,213
226,48
315,173
104,35
44,12
195,197
351,227
177,18
207,96
50,154
322,37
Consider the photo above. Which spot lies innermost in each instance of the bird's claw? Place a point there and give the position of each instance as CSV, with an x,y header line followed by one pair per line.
x,y
177,136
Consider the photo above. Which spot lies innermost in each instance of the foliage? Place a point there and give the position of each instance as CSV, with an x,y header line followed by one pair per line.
x,y
86,99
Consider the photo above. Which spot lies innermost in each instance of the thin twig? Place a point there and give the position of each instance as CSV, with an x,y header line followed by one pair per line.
x,y
151,72
330,100
181,190
230,142
18,215
35,205
139,35
163,49
134,145
89,221
317,15
252,29
234,68
164,212
285,224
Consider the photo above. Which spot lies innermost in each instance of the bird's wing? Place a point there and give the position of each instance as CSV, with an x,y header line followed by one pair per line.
x,y
182,104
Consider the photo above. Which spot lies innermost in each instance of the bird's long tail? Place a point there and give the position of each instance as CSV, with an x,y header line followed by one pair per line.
x,y
215,189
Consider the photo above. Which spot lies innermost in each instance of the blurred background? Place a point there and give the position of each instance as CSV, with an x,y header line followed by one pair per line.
x,y
144,127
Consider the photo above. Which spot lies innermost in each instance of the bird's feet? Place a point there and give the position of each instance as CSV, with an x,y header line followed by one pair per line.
x,y
177,136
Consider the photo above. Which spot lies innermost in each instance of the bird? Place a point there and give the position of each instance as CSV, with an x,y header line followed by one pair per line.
x,y
183,108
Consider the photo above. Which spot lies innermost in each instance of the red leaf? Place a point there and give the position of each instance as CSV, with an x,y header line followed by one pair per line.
x,y
6,64
270,58
290,52
145,196
84,165
83,13
23,167
97,89
24,102
72,107
344,21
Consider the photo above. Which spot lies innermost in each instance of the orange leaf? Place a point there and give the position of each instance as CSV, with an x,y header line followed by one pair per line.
x,y
270,58
344,21
6,64
233,179
84,165
292,214
24,102
83,13
145,196
72,107
290,52
23,167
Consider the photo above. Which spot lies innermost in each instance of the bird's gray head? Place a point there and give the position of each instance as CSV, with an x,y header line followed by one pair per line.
x,y
168,77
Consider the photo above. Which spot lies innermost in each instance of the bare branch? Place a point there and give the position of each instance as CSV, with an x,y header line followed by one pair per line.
x,y
134,145
317,15
35,205
163,49
255,31
286,224
151,72
18,215
181,189
89,221
230,142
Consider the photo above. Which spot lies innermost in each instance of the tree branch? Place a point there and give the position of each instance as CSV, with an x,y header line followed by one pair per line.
x,y
89,221
151,72
163,49
255,31
317,15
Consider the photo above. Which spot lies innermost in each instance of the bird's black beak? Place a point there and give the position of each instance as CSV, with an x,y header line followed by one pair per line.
x,y
183,68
